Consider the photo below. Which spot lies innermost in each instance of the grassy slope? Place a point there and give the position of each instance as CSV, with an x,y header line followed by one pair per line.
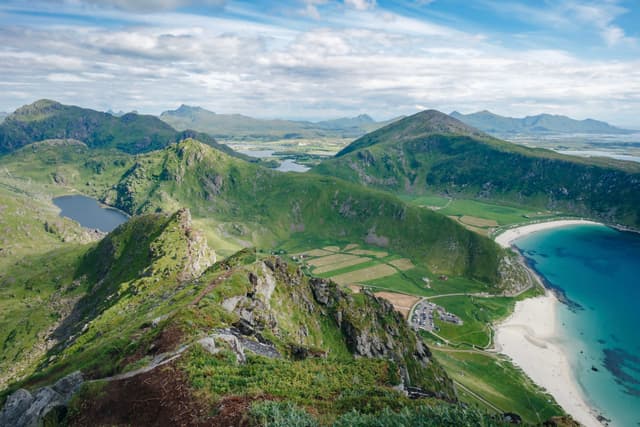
x,y
131,133
136,274
423,154
247,204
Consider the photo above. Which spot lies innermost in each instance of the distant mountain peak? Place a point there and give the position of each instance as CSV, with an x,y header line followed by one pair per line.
x,y
544,123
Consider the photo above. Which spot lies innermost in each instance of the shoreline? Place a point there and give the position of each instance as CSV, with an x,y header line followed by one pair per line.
x,y
527,338
528,335
506,238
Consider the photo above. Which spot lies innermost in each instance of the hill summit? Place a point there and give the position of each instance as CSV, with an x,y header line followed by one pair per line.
x,y
428,122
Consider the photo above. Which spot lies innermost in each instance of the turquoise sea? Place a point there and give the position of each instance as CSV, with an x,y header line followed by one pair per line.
x,y
596,272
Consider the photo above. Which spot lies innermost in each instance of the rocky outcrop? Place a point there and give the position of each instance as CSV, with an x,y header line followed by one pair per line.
x,y
25,409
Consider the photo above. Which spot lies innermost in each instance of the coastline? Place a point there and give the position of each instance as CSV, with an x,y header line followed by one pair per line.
x,y
527,337
507,237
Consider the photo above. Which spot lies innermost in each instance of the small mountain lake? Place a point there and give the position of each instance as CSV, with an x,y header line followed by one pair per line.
x,y
286,165
90,213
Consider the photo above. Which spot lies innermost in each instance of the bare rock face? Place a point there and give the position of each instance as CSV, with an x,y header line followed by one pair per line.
x,y
23,409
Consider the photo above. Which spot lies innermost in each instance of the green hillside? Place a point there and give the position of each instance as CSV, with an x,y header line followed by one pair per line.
x,y
431,152
130,133
251,205
150,290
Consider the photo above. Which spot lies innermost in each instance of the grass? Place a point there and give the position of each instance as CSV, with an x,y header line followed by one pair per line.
x,y
501,214
477,314
500,382
427,200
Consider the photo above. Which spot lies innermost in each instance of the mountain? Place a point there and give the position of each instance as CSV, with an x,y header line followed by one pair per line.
x,y
535,125
238,126
433,152
150,294
131,133
3,115
252,205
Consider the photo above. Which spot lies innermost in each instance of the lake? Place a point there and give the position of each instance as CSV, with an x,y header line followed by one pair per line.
x,y
89,212
286,165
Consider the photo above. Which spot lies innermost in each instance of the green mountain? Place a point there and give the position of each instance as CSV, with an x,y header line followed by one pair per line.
x,y
535,125
149,294
131,133
237,126
152,310
431,152
251,205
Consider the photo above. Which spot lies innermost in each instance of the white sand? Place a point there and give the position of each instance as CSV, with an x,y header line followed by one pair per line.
x,y
526,337
506,238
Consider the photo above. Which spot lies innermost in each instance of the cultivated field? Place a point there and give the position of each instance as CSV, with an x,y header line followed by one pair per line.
x,y
364,274
402,264
377,254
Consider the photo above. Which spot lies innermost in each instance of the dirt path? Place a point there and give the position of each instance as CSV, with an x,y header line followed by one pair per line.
x,y
210,287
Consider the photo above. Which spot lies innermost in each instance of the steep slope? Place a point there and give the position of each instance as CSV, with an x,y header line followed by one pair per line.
x,y
535,125
239,126
432,152
250,326
131,133
268,207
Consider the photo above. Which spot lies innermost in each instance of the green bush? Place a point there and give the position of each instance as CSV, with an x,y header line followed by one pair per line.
x,y
280,414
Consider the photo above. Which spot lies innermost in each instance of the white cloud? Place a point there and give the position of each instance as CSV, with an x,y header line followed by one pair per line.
x,y
360,4
145,6
352,62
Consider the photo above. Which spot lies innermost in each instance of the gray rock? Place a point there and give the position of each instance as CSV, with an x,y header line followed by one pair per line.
x,y
230,304
23,409
69,385
209,344
15,406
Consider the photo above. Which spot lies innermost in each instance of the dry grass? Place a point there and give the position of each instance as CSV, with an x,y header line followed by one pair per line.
x,y
478,222
400,302
402,264
365,274
314,253
481,231
377,254
351,246
355,288
339,265
332,248
334,259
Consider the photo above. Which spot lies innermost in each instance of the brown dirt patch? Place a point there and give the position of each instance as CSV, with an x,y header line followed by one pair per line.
x,y
400,302
402,264
161,397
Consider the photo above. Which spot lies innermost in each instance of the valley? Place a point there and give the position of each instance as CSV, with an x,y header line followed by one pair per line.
x,y
216,250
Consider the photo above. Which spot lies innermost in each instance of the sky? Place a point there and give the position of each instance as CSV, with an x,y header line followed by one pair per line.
x,y
322,59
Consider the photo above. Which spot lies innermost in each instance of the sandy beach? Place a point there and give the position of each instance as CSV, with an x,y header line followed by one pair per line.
x,y
527,338
506,238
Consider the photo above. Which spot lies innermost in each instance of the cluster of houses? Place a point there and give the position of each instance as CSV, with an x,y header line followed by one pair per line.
x,y
424,313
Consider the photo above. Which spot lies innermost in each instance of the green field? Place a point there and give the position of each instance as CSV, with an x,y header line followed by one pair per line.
x,y
498,381
427,200
477,314
504,215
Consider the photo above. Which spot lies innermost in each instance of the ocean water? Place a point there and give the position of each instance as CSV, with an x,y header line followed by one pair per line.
x,y
596,270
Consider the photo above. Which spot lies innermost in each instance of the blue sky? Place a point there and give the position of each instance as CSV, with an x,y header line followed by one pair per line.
x,y
318,59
